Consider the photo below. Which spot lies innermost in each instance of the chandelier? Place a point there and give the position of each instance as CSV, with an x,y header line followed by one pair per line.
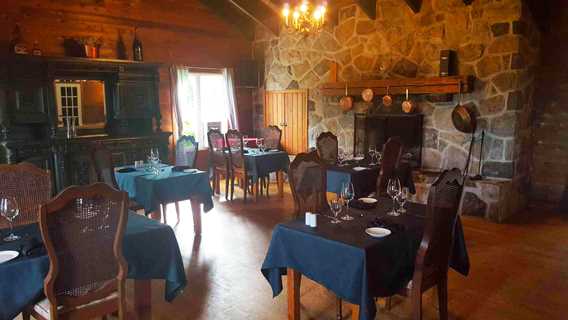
x,y
305,18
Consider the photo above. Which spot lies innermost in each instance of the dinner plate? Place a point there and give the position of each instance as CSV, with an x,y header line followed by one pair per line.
x,y
359,168
358,158
368,200
8,255
377,232
190,170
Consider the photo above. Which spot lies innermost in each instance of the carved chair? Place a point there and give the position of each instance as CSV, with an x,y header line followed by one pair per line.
x,y
392,151
101,162
218,160
82,229
432,259
237,164
29,185
272,136
308,181
328,147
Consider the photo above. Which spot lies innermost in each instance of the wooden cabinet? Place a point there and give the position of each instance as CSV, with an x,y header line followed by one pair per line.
x,y
27,101
289,111
136,99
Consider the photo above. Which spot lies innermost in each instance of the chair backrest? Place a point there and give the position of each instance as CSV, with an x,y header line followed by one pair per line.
x,y
186,151
441,213
217,156
82,229
272,136
392,151
328,147
308,181
101,159
29,185
236,149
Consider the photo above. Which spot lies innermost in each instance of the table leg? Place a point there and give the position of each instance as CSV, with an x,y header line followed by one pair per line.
x,y
293,279
196,211
355,310
143,299
256,189
280,181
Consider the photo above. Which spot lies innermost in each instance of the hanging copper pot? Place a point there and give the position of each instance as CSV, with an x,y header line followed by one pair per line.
x,y
463,117
367,95
407,105
387,99
346,102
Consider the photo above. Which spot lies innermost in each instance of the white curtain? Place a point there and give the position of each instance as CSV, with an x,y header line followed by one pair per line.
x,y
228,73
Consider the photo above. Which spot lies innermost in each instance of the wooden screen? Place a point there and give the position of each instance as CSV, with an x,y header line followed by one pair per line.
x,y
289,111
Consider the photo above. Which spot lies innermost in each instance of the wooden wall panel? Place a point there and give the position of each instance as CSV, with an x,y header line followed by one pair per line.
x,y
289,111
172,32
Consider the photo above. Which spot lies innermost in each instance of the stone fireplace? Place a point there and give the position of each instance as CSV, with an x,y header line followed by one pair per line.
x,y
495,42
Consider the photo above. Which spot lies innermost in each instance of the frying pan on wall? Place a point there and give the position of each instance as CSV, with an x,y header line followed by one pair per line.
x,y
346,102
464,118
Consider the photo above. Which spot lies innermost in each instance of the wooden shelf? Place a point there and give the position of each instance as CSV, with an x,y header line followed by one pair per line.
x,y
435,85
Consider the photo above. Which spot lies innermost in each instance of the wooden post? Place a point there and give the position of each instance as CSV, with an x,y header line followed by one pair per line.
x,y
293,279
143,299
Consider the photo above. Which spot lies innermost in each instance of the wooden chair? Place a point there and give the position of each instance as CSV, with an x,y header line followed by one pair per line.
x,y
308,181
186,155
29,185
101,162
272,136
432,259
328,147
392,152
237,165
82,229
218,160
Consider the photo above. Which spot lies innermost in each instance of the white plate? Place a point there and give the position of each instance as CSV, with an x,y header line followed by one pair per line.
x,y
358,158
377,232
360,168
368,200
8,255
190,170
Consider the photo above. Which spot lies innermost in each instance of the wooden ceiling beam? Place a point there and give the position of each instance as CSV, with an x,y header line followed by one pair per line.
x,y
415,5
258,12
227,11
369,7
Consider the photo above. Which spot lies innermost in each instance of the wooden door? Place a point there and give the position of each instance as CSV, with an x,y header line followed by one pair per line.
x,y
289,111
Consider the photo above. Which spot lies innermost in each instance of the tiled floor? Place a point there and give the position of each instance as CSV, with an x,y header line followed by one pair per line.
x,y
519,270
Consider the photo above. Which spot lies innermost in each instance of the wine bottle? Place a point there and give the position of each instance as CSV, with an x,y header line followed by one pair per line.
x,y
137,48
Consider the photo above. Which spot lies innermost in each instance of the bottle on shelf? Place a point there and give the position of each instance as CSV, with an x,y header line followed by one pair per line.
x,y
138,54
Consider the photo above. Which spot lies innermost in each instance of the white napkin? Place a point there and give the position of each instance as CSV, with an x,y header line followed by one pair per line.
x,y
359,168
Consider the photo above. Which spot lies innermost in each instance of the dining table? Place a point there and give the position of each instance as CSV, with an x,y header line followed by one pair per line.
x,y
346,260
261,163
170,184
363,176
149,248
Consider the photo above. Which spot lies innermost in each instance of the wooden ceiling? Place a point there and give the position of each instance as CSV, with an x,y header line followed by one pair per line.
x,y
244,14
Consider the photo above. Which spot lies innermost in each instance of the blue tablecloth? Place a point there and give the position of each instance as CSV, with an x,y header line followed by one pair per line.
x,y
355,266
151,190
260,164
150,249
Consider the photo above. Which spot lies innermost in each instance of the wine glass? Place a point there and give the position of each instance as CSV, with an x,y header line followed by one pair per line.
x,y
347,194
402,198
379,157
393,190
9,210
335,207
372,154
260,144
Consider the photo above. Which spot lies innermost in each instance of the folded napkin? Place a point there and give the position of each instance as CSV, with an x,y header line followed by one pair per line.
x,y
384,223
180,168
33,247
360,168
358,204
126,170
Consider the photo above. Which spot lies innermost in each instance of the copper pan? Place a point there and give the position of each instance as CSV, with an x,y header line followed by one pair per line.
x,y
463,117
346,102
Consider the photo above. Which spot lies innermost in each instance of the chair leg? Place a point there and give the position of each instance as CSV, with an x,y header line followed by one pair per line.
x,y
246,188
163,210
417,306
26,315
339,310
388,303
443,298
268,186
177,210
232,187
227,188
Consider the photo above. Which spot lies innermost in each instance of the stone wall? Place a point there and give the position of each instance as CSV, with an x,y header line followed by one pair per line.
x,y
490,38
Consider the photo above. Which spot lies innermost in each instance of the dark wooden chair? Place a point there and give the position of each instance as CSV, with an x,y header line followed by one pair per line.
x,y
218,160
102,164
82,229
237,164
328,147
29,185
186,155
432,259
392,152
272,136
308,181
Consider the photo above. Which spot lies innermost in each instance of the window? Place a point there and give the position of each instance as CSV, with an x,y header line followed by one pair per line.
x,y
80,102
68,103
204,102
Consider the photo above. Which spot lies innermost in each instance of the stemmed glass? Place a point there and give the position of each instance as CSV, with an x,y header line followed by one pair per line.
x,y
402,198
372,154
335,207
379,157
9,210
260,144
393,190
347,194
